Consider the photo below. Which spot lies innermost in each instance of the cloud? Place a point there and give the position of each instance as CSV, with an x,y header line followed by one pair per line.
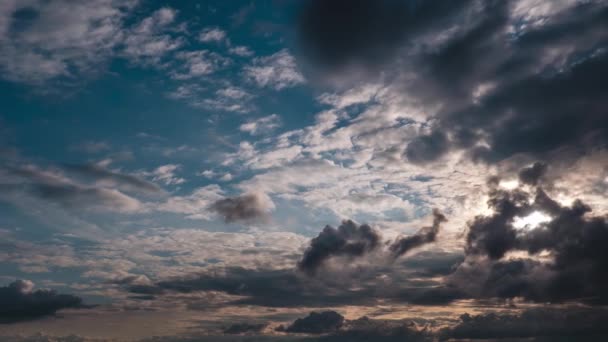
x,y
316,323
560,259
54,187
98,173
147,42
531,175
212,34
247,207
277,71
241,50
41,40
245,328
491,77
166,174
262,125
349,239
19,302
197,64
558,324
423,236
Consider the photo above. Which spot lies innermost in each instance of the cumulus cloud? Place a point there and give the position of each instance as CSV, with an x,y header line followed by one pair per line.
x,y
19,302
244,208
277,71
349,239
574,265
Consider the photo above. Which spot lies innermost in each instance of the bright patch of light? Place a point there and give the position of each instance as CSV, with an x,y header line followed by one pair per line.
x,y
509,184
531,221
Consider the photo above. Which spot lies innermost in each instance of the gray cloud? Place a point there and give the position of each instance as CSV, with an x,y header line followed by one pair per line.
x,y
560,324
349,239
96,173
316,323
507,79
573,237
54,187
19,302
423,236
243,208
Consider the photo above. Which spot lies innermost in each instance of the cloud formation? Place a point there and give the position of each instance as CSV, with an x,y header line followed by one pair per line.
x,y
423,236
349,239
316,323
247,207
19,302
496,79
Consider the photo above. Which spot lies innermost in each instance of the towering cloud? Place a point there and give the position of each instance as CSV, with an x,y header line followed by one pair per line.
x,y
573,238
422,237
349,239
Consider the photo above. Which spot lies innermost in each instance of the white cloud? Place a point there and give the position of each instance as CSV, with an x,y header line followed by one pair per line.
x,y
241,50
199,63
277,71
195,205
212,34
166,174
262,125
148,42
63,39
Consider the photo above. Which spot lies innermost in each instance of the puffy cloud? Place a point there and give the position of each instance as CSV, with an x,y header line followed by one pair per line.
x,y
277,71
562,256
349,239
19,301
41,40
246,207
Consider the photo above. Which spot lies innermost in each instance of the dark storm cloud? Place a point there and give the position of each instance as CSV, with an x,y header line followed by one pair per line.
x,y
574,237
316,323
20,302
349,239
532,175
338,33
561,324
242,208
423,236
504,86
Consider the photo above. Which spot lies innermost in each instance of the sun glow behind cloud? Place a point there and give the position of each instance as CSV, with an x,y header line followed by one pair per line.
x,y
532,221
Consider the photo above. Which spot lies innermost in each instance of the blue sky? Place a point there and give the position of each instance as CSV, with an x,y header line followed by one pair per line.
x,y
165,158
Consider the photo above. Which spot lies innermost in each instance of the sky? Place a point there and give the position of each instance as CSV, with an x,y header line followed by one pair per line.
x,y
303,170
